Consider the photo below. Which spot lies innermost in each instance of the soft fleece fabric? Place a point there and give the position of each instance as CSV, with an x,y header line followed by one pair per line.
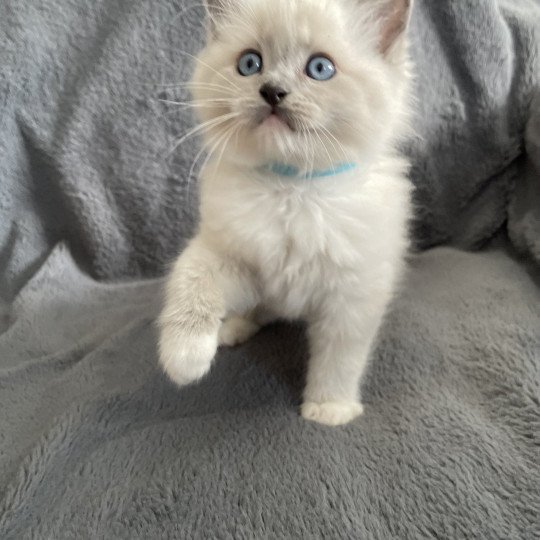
x,y
95,443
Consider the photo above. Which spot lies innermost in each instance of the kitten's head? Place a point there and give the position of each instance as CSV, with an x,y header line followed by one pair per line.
x,y
304,82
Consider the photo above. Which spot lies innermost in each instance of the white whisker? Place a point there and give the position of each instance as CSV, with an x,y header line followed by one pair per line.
x,y
202,128
203,149
192,85
202,62
329,133
330,160
197,103
312,144
214,148
230,133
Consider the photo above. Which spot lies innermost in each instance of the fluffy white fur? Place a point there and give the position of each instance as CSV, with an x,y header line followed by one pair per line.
x,y
329,250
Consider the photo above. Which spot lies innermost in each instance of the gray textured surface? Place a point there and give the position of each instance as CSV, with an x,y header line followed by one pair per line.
x,y
95,443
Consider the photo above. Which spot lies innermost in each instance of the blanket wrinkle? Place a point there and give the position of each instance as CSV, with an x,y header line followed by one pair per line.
x,y
96,443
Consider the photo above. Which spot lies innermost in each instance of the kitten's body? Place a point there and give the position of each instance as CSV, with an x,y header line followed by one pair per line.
x,y
328,250
306,242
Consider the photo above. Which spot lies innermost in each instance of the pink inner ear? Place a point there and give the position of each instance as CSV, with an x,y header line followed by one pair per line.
x,y
395,17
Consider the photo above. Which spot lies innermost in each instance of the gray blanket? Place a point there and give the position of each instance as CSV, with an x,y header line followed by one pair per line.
x,y
95,443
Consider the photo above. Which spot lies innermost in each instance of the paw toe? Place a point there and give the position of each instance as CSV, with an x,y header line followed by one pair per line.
x,y
331,413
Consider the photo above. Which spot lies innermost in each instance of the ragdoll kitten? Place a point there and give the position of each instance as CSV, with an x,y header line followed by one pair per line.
x,y
304,200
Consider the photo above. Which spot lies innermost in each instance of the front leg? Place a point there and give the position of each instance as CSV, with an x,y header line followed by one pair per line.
x,y
340,339
202,288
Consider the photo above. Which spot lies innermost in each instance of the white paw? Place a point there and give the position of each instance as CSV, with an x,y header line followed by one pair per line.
x,y
331,413
236,330
184,357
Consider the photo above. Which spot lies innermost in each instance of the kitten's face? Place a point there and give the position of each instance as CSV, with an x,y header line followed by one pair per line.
x,y
294,81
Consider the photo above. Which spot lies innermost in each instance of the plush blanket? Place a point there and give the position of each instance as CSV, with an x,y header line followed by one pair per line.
x,y
94,204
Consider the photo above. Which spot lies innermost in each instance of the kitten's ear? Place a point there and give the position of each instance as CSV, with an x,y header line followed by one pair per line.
x,y
394,16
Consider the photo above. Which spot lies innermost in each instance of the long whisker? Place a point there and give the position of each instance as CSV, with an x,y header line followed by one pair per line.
x,y
213,150
218,136
204,148
193,85
354,128
312,143
197,103
202,62
329,133
330,160
230,133
192,132
237,132
202,127
310,158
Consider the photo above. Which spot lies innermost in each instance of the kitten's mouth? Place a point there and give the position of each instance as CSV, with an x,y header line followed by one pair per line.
x,y
277,117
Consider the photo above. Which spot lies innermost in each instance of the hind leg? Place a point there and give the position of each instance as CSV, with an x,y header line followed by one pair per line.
x,y
236,330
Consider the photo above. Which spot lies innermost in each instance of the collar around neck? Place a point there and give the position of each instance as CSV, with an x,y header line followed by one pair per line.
x,y
290,171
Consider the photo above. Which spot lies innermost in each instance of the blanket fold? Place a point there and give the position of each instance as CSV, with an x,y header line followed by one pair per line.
x,y
94,205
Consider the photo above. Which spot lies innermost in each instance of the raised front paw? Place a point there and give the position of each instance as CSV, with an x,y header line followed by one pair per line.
x,y
331,413
186,357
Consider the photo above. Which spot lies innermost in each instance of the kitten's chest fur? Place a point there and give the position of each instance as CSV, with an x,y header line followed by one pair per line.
x,y
306,240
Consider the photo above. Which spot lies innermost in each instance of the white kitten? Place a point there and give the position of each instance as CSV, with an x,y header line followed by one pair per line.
x,y
304,200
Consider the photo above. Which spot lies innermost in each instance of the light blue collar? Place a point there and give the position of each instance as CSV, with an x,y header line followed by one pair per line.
x,y
290,171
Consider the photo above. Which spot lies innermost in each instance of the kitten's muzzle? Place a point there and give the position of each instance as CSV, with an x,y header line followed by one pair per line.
x,y
273,95
278,112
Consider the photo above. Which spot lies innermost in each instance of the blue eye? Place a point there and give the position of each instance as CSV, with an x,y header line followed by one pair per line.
x,y
320,68
249,63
